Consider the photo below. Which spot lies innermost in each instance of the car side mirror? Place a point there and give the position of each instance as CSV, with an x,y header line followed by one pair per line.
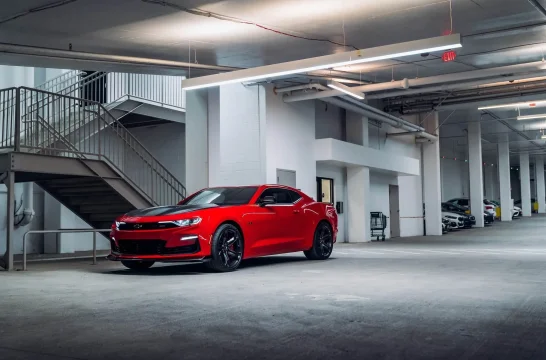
x,y
267,200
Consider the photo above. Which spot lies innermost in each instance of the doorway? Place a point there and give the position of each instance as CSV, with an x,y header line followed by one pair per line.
x,y
394,205
325,190
286,177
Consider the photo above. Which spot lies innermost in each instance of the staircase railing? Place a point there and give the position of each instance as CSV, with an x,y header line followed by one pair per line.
x,y
110,87
92,133
61,82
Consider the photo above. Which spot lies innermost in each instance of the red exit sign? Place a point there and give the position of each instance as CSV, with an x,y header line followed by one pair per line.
x,y
448,56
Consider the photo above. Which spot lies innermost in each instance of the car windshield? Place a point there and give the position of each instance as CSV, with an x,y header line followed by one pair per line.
x,y
222,196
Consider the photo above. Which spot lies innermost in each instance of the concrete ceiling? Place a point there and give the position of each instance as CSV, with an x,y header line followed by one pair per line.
x,y
136,28
494,33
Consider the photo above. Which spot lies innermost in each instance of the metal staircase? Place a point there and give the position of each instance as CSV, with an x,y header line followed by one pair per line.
x,y
81,154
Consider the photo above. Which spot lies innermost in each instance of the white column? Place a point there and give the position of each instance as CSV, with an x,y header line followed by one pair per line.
x,y
475,168
539,179
358,209
197,176
358,182
432,195
504,178
525,184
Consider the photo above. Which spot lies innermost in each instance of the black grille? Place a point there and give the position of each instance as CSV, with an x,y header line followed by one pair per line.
x,y
152,247
146,226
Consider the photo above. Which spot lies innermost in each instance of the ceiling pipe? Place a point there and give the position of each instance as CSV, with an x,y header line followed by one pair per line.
x,y
104,58
399,123
299,87
402,84
458,86
409,83
537,6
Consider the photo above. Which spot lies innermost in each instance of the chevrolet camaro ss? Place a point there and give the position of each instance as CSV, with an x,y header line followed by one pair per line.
x,y
221,226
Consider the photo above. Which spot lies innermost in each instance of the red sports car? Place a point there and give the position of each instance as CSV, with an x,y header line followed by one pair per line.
x,y
222,226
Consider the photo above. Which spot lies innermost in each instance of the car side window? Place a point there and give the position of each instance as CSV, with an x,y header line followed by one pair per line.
x,y
294,195
281,196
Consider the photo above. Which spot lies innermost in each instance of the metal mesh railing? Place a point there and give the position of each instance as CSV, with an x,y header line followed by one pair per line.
x,y
89,131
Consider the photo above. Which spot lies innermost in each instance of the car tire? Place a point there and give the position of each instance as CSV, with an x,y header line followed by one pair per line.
x,y
138,265
323,242
226,249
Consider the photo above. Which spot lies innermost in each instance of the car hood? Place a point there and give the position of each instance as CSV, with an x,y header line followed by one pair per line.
x,y
162,211
447,213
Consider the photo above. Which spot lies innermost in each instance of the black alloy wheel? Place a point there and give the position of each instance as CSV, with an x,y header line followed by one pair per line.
x,y
323,243
227,249
138,265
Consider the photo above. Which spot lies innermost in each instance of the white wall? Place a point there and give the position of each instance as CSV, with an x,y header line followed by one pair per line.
x,y
236,155
339,175
329,121
167,143
379,189
409,187
290,135
454,176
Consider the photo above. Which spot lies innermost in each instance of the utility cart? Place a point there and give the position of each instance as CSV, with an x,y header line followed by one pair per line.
x,y
378,224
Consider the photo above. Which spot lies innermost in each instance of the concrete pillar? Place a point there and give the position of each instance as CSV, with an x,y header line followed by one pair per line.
x,y
358,209
197,174
525,184
358,182
432,185
475,168
539,179
7,261
504,178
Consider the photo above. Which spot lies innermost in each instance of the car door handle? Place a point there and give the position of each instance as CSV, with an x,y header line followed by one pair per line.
x,y
296,211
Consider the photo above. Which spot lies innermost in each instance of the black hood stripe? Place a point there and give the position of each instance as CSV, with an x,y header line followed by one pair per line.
x,y
168,210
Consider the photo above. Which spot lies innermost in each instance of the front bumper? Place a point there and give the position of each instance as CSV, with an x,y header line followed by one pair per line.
x,y
172,245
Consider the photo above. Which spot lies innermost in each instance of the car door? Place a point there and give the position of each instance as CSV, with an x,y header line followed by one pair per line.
x,y
283,225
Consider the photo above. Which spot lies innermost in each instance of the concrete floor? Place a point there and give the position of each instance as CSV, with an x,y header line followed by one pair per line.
x,y
473,294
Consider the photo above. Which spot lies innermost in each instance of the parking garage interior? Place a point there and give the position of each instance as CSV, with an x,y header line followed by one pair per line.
x,y
421,123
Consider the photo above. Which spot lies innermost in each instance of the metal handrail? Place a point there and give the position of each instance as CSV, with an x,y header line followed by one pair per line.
x,y
47,85
157,169
62,231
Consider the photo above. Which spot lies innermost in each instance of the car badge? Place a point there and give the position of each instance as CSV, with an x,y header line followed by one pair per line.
x,y
137,226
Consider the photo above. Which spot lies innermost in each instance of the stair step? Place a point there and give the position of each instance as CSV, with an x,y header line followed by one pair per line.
x,y
73,182
82,190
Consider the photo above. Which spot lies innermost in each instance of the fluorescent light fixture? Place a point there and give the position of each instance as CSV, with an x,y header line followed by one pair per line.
x,y
529,104
346,89
439,43
531,117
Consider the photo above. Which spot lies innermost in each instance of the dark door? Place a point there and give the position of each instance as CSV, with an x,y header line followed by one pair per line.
x,y
93,87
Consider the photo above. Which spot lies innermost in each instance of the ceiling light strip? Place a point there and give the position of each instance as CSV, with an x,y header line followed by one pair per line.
x,y
531,117
345,89
325,62
513,105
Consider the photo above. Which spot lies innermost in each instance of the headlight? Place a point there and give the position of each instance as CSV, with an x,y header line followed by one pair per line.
x,y
186,222
117,224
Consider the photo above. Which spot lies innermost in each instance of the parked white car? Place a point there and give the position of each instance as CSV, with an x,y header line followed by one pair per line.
x,y
456,221
488,206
